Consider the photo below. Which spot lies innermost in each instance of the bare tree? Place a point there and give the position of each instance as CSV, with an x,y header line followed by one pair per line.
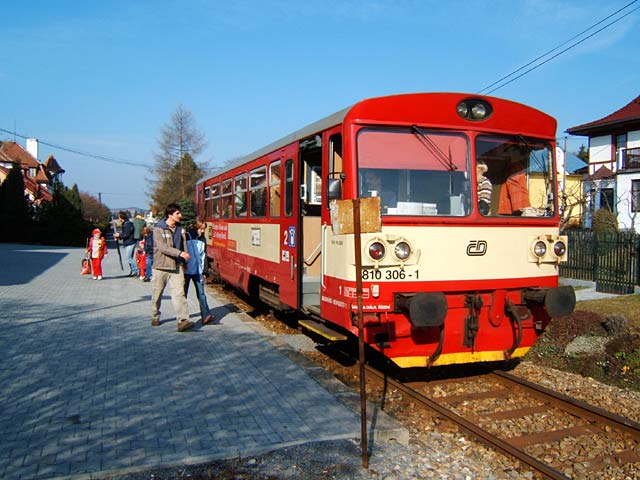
x,y
173,174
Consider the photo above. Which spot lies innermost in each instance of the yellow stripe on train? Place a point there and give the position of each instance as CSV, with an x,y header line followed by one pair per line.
x,y
462,357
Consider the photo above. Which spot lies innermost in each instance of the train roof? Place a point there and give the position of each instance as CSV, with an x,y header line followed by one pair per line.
x,y
315,127
364,107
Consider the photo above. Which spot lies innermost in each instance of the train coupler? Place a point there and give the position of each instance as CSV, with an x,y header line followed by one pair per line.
x,y
471,323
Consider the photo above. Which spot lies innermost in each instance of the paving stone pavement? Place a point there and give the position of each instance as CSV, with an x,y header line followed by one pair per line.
x,y
89,388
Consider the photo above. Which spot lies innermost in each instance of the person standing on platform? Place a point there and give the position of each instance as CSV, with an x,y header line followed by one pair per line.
x,y
97,249
169,258
129,243
138,225
197,269
147,237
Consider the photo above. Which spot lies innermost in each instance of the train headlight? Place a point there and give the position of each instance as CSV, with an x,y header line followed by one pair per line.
x,y
540,249
402,250
462,109
559,248
376,251
478,111
474,109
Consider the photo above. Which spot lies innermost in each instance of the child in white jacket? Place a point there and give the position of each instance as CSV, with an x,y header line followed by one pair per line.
x,y
197,268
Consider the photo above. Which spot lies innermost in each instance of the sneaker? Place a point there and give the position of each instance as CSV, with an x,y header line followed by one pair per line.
x,y
95,278
208,319
155,322
99,277
184,325
142,278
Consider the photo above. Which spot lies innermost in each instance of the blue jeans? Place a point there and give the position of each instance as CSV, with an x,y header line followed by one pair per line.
x,y
198,280
147,269
130,255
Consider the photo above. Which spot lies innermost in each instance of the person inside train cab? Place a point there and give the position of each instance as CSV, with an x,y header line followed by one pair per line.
x,y
373,188
485,187
514,194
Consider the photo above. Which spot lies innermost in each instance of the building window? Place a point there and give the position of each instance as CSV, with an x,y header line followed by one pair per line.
x,y
606,199
635,195
620,146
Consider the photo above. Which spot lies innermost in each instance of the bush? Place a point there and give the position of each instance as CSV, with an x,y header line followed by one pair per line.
x,y
605,221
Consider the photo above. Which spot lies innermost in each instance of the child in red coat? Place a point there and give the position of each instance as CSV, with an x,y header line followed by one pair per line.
x,y
141,259
97,249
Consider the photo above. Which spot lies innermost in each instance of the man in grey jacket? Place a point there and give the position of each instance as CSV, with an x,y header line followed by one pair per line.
x,y
169,258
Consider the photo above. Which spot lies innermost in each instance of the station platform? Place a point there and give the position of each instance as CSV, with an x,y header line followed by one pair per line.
x,y
89,388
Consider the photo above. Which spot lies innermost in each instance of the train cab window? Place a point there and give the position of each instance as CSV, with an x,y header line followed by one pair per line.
x,y
274,189
258,188
519,171
288,188
207,202
227,198
215,200
240,195
415,171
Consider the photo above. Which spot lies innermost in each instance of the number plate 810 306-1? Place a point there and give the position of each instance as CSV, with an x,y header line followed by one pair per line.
x,y
372,274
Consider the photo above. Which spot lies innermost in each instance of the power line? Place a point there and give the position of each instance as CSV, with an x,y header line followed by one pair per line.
x,y
559,46
84,154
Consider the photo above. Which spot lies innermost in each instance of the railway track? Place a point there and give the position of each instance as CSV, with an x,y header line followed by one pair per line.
x,y
555,435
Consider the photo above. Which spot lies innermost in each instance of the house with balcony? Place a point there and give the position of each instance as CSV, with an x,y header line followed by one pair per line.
x,y
613,178
39,178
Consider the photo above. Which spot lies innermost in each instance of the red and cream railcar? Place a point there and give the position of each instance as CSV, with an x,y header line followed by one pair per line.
x,y
465,265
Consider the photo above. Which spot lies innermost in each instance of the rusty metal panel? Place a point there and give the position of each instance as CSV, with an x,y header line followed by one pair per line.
x,y
342,216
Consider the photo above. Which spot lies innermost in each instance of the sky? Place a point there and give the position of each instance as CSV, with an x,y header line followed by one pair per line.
x,y
104,78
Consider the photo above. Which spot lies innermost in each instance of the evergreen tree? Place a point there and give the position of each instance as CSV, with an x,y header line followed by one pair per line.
x,y
61,222
188,210
73,195
583,154
14,206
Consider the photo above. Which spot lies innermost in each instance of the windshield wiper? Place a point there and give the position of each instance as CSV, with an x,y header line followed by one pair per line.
x,y
446,162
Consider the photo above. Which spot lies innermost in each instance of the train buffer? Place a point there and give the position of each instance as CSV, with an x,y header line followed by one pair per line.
x,y
322,330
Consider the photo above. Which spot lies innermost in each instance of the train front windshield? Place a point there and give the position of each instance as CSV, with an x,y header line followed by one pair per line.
x,y
422,172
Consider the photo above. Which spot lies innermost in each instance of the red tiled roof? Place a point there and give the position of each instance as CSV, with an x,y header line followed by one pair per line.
x,y
627,114
53,166
42,176
602,173
31,186
16,153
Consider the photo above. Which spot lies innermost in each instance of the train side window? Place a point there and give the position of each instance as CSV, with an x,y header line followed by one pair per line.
x,y
335,153
240,195
207,202
334,186
288,188
258,188
215,200
274,189
227,198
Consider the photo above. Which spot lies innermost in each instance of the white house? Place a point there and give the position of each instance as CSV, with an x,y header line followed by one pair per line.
x,y
613,180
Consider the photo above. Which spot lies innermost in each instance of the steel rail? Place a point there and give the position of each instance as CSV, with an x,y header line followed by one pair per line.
x,y
488,438
575,405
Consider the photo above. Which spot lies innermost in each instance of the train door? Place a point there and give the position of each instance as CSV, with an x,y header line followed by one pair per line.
x,y
289,231
310,160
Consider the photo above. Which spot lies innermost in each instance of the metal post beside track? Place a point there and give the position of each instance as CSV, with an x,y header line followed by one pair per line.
x,y
363,389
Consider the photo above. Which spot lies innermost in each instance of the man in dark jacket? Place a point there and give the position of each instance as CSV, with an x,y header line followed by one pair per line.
x,y
129,243
169,258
